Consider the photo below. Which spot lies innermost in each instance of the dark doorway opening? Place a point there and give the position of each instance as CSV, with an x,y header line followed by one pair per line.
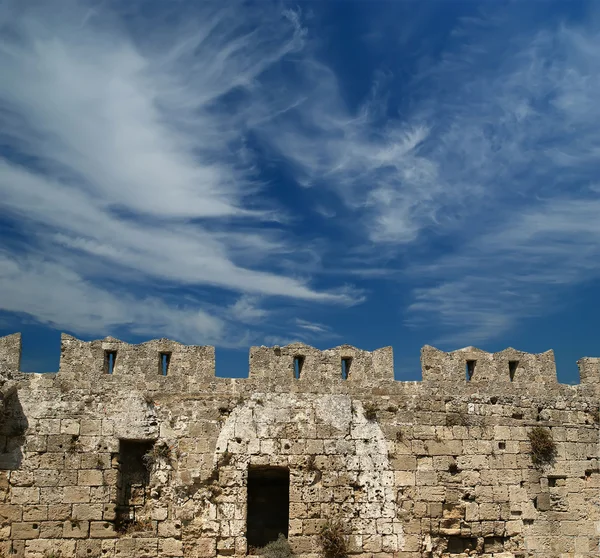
x,y
268,504
133,477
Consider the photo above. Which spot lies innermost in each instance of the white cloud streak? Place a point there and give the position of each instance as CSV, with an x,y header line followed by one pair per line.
x,y
494,167
375,169
129,152
59,297
126,152
528,145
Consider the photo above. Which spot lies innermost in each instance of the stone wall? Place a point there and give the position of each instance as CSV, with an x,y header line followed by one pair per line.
x,y
441,467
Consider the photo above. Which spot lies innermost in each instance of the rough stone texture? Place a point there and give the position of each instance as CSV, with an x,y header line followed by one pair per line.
x,y
435,468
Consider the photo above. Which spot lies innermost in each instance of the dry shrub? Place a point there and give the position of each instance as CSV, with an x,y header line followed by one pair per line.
x,y
543,447
370,411
128,526
277,549
457,419
225,459
160,451
333,540
74,444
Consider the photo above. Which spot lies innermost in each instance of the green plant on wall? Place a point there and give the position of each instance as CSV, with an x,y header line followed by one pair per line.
x,y
543,446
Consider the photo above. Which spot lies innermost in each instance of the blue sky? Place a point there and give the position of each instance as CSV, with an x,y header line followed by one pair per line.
x,y
247,173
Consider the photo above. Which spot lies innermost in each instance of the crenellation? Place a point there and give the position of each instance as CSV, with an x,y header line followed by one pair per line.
x,y
189,368
529,368
304,366
185,464
589,371
474,366
10,355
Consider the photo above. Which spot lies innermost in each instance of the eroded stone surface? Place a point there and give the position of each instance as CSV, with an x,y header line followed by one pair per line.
x,y
435,468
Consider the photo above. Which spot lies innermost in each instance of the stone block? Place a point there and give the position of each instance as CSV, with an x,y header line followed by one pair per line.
x,y
205,547
125,548
35,512
170,547
90,477
543,501
169,529
58,512
372,543
75,529
25,495
51,529
76,494
102,530
10,513
91,427
88,511
70,426
25,530
146,546
88,549
404,478
21,478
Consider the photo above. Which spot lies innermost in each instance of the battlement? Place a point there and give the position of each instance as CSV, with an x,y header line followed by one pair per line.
x,y
311,366
476,366
159,360
192,368
589,370
140,450
10,355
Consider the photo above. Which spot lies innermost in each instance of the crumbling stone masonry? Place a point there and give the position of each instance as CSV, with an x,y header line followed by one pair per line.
x,y
140,451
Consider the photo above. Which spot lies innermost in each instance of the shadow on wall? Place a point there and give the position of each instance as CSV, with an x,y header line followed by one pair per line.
x,y
13,426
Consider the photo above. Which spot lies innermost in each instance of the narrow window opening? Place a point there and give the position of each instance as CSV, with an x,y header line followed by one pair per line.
x,y
346,362
165,360
110,359
268,504
512,368
470,369
555,481
461,545
501,445
298,364
133,478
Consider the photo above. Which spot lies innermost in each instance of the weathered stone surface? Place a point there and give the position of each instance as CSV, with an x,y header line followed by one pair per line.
x,y
436,468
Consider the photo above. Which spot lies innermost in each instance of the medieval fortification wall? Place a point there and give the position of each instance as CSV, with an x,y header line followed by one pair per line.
x,y
139,451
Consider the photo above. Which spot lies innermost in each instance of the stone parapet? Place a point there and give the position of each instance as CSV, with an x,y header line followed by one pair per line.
x,y
110,457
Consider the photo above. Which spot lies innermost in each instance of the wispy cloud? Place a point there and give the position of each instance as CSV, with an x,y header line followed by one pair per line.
x,y
525,139
60,297
125,151
315,328
371,162
132,166
515,272
484,191
304,331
